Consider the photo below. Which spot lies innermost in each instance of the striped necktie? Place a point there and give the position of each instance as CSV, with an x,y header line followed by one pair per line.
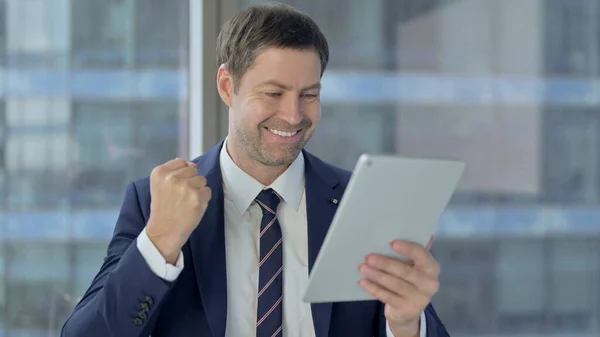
x,y
269,322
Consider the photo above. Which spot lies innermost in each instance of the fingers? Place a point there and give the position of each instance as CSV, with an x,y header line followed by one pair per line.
x,y
396,268
384,295
394,286
197,182
400,286
190,175
184,172
413,303
420,256
175,164
406,288
420,281
205,194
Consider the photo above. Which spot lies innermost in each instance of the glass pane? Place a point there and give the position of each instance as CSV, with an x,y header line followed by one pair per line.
x,y
35,32
511,88
89,255
2,155
81,115
103,139
2,32
36,281
102,33
161,33
574,286
520,275
156,123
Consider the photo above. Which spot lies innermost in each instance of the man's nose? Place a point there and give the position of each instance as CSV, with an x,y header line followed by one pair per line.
x,y
291,110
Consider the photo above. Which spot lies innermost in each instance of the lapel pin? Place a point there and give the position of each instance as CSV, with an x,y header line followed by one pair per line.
x,y
335,201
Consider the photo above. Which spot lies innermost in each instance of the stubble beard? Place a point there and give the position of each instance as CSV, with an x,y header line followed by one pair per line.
x,y
254,149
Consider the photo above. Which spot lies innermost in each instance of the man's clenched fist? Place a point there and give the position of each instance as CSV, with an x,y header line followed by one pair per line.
x,y
179,199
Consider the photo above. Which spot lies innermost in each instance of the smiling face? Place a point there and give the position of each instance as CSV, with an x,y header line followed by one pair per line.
x,y
275,107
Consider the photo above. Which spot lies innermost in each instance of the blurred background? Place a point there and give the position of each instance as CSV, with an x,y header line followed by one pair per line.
x,y
95,93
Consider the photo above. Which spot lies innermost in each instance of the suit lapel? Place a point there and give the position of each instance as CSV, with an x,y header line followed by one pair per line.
x,y
207,244
321,189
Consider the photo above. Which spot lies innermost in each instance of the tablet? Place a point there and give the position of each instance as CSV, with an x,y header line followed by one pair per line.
x,y
387,198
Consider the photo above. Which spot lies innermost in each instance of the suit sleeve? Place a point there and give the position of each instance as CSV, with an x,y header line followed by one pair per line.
x,y
431,325
435,327
125,295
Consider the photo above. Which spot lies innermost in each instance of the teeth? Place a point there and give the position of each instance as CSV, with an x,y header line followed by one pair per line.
x,y
283,133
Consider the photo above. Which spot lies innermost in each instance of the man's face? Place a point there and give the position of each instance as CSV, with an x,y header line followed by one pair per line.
x,y
276,107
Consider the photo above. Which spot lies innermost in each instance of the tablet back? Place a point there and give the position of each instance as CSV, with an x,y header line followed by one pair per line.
x,y
387,198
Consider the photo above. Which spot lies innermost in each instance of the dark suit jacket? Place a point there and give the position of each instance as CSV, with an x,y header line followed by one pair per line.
x,y
126,299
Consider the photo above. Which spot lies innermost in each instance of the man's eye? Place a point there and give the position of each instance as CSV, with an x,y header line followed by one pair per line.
x,y
310,95
274,94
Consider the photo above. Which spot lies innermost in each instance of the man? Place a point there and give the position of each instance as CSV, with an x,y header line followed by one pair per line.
x,y
223,245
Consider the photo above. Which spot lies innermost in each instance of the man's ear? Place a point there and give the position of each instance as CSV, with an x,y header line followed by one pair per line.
x,y
225,84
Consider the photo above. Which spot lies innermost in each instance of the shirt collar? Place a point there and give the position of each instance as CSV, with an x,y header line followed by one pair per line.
x,y
242,189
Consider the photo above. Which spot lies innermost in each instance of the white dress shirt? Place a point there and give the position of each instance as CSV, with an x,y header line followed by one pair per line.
x,y
242,227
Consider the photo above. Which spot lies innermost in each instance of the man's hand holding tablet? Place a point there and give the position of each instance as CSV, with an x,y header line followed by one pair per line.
x,y
405,288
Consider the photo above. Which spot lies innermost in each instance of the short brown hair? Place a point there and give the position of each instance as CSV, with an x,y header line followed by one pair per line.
x,y
271,24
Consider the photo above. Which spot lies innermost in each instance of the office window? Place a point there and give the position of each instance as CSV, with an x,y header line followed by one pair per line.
x,y
36,32
33,260
31,181
39,135
102,33
101,129
34,305
2,32
102,100
103,137
2,156
36,146
119,142
520,274
573,285
348,126
36,283
161,33
467,264
87,259
158,126
571,155
571,26
3,307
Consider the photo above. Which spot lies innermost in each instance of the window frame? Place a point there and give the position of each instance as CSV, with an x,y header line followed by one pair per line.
x,y
207,119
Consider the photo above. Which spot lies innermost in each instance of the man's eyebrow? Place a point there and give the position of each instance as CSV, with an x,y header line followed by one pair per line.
x,y
285,87
316,86
276,84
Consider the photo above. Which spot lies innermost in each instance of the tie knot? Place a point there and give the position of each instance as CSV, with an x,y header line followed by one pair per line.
x,y
268,200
